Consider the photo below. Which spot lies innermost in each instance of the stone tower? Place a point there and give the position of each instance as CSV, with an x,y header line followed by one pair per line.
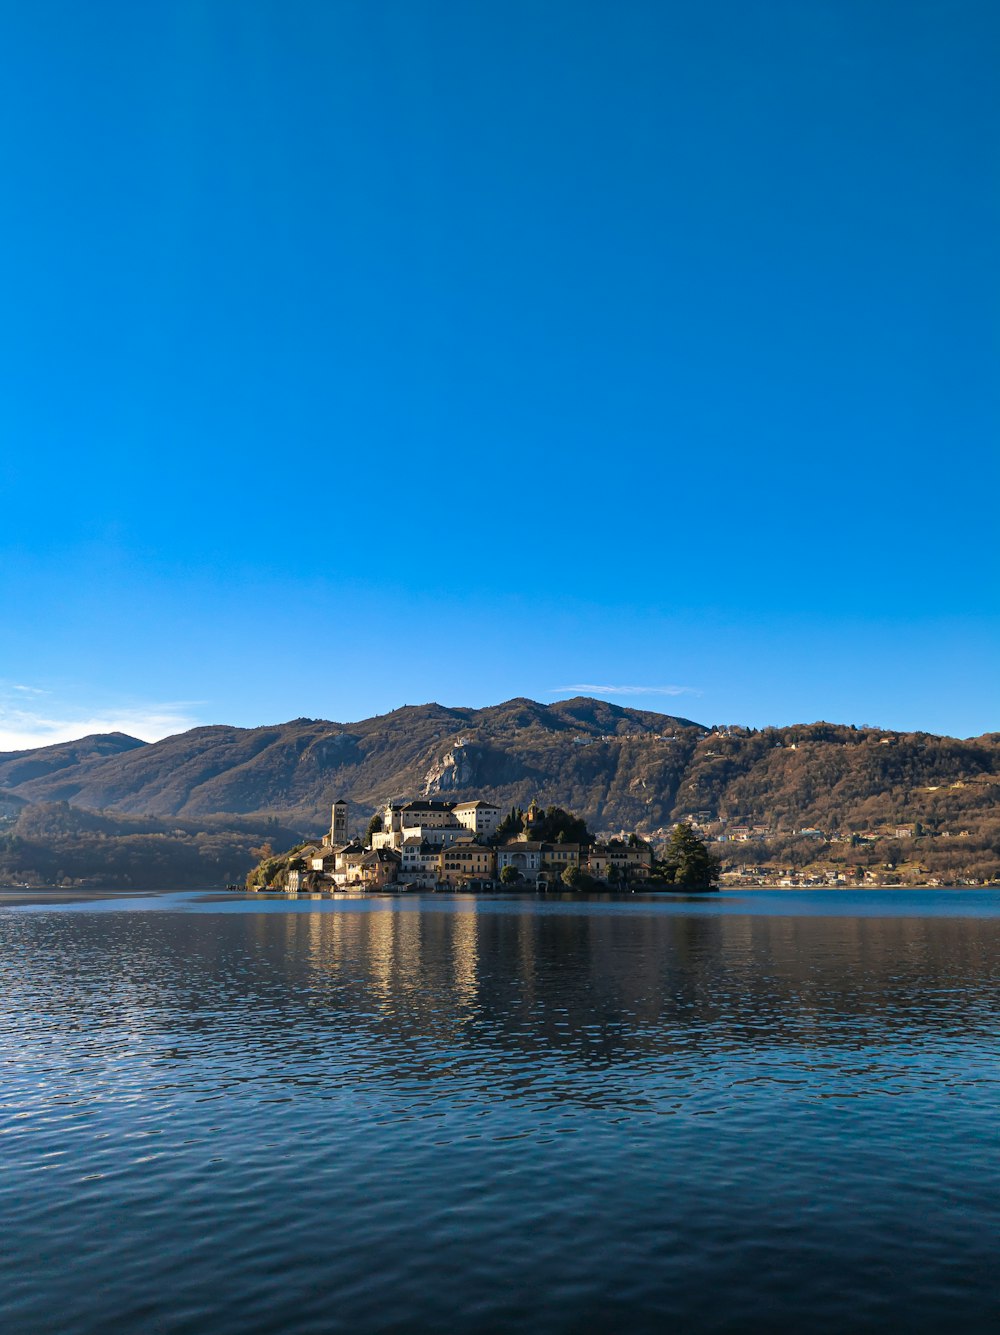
x,y
338,824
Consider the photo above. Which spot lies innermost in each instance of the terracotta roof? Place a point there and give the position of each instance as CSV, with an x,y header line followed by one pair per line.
x,y
465,806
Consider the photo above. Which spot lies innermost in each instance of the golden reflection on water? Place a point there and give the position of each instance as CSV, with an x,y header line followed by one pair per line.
x,y
381,956
658,974
465,955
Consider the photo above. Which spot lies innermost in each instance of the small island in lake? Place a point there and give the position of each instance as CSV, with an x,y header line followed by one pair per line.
x,y
429,844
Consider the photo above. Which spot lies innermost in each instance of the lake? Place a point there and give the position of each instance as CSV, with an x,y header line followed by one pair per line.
x,y
759,1110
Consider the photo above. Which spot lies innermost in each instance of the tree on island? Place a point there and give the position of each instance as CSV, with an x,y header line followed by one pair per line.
x,y
551,826
687,864
509,876
374,827
556,826
575,878
510,827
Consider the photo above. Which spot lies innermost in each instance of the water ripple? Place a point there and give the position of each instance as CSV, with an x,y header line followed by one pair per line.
x,y
496,1117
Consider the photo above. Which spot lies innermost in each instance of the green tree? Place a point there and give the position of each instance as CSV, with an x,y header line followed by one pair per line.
x,y
511,826
687,863
558,826
374,827
575,878
509,876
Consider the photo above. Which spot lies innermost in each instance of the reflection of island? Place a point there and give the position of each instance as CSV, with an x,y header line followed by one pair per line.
x,y
516,996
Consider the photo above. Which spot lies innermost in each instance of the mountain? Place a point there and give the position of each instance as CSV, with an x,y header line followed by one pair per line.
x,y
617,767
17,767
601,759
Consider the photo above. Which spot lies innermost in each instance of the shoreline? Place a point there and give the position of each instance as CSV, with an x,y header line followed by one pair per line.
x,y
361,892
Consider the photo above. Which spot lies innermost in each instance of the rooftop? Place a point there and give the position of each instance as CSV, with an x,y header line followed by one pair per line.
x,y
379,855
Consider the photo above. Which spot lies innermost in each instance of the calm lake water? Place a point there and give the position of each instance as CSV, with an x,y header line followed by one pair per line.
x,y
757,1112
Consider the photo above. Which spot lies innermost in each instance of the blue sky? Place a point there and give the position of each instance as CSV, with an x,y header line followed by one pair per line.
x,y
362,354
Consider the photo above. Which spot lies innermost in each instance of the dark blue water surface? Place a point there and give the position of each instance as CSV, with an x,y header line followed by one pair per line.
x,y
758,1112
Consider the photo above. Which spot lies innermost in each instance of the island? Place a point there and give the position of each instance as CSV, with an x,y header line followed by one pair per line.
x,y
434,844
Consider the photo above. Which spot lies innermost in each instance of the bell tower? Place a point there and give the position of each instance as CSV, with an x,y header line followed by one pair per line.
x,y
338,823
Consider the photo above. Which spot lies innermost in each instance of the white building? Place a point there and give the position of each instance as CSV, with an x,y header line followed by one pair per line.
x,y
431,820
421,861
482,818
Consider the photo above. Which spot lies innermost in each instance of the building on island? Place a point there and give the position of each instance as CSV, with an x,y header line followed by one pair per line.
x,y
597,861
379,867
462,863
557,857
482,818
338,826
435,822
420,862
429,842
524,856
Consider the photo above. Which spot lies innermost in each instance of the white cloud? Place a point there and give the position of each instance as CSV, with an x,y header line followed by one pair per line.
x,y
590,689
22,729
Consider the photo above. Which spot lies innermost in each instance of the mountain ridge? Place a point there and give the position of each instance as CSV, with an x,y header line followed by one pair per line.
x,y
292,767
619,768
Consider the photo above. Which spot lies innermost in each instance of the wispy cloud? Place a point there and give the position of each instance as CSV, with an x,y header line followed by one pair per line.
x,y
588,688
22,728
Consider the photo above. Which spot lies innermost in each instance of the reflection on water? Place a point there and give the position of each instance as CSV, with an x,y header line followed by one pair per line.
x,y
479,1115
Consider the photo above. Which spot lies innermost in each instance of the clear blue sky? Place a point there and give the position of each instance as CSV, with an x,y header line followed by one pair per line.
x,y
362,354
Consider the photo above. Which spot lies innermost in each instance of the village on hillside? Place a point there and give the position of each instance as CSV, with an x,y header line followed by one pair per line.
x,y
429,844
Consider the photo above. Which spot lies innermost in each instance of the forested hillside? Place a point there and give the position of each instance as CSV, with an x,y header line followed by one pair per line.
x,y
224,788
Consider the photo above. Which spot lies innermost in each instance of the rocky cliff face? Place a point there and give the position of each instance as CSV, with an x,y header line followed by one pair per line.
x,y
466,766
456,769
